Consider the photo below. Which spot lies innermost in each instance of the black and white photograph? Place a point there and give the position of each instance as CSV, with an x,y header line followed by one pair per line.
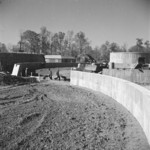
x,y
74,74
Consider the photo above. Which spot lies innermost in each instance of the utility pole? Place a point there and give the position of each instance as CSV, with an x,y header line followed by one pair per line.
x,y
20,46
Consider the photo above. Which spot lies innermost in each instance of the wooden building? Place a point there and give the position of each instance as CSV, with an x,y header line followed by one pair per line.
x,y
59,59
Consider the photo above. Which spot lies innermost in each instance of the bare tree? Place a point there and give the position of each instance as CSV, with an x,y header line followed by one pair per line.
x,y
45,40
31,39
147,45
81,42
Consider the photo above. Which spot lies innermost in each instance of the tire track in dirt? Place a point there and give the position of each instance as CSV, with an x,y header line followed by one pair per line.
x,y
20,140
20,130
12,97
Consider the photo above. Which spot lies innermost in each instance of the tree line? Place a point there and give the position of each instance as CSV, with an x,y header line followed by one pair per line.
x,y
68,44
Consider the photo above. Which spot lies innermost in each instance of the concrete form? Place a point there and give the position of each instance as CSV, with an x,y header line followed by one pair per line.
x,y
24,69
133,75
128,60
132,96
128,57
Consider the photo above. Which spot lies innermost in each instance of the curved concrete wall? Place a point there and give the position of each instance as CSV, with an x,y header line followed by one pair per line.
x,y
132,96
133,75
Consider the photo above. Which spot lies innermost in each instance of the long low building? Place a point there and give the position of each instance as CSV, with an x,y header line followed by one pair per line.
x,y
59,58
7,60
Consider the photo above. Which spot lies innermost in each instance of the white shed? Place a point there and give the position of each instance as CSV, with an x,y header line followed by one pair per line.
x,y
53,58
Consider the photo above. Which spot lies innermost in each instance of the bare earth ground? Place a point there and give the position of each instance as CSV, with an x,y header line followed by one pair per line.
x,y
55,115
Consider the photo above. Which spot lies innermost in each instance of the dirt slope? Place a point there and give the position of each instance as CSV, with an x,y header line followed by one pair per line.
x,y
54,115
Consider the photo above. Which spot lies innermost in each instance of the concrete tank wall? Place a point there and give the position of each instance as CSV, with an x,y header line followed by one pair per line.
x,y
132,96
128,57
133,75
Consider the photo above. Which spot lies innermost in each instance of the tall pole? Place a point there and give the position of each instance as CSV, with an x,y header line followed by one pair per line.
x,y
20,46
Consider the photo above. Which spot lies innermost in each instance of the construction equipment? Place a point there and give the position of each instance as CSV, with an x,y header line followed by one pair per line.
x,y
87,63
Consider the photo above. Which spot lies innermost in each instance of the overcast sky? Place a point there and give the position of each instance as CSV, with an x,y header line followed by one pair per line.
x,y
120,21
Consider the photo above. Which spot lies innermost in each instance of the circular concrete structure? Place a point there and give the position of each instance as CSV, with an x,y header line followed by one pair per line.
x,y
133,97
129,57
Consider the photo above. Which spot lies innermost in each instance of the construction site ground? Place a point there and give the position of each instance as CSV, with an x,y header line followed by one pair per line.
x,y
52,115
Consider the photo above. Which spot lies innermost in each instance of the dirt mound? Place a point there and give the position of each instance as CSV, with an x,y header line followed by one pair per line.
x,y
58,116
7,79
